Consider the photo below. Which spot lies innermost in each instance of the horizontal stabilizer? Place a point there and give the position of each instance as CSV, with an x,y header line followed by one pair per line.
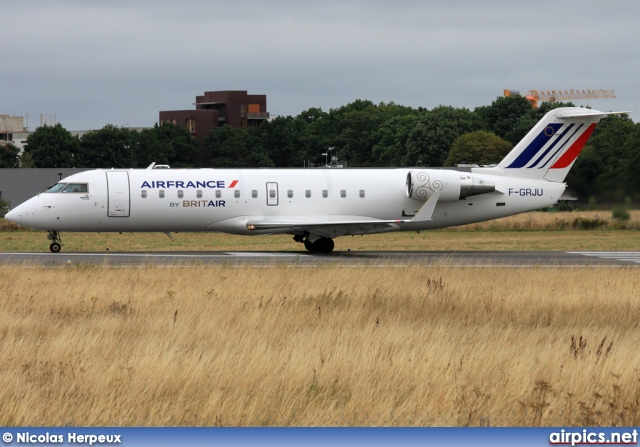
x,y
582,113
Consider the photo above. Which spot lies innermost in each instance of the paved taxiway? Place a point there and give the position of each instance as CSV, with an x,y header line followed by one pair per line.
x,y
345,258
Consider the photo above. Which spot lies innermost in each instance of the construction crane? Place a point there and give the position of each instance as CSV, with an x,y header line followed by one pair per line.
x,y
561,95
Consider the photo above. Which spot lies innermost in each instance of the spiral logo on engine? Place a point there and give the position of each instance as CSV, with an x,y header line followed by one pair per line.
x,y
423,187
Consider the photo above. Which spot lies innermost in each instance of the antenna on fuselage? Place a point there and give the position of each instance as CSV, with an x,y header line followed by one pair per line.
x,y
155,166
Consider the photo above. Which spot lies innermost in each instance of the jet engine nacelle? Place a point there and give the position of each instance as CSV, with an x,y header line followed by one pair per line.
x,y
452,185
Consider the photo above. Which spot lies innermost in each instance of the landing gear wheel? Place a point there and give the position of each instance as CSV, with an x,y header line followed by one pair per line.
x,y
322,245
325,245
56,242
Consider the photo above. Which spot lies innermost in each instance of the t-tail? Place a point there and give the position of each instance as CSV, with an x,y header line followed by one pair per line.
x,y
549,150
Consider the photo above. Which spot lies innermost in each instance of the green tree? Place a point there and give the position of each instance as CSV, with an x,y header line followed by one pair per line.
x,y
391,139
430,140
110,147
356,139
9,155
319,135
167,144
26,161
630,164
312,115
357,130
284,140
503,114
583,176
4,207
480,147
236,148
54,147
609,143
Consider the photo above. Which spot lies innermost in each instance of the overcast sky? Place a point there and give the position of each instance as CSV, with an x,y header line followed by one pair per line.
x,y
121,62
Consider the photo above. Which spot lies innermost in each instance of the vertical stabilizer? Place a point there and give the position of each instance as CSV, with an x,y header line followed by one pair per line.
x,y
549,150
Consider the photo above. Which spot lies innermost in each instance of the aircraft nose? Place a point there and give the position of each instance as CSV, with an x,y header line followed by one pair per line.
x,y
13,216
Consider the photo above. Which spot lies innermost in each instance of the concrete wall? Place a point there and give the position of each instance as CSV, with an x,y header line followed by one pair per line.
x,y
11,124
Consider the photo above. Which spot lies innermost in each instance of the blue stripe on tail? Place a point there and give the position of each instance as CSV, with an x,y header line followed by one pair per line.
x,y
561,147
534,147
551,146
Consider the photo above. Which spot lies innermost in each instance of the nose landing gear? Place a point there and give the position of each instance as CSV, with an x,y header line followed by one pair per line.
x,y
56,241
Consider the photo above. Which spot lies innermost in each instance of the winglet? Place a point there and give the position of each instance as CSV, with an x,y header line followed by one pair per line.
x,y
426,211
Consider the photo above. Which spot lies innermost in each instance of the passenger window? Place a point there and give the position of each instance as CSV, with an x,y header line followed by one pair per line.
x,y
161,194
272,193
236,193
325,193
180,194
199,194
362,193
218,194
343,193
143,193
290,194
307,193
75,187
254,193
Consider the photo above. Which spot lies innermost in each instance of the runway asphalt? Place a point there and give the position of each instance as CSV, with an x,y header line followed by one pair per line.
x,y
344,258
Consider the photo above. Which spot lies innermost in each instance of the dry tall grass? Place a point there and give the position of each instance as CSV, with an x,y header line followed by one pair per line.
x,y
553,221
323,346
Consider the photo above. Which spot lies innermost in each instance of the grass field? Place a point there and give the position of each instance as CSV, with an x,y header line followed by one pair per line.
x,y
593,230
284,346
324,346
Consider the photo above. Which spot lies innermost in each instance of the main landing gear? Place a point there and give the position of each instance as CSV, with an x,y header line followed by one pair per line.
x,y
317,245
56,242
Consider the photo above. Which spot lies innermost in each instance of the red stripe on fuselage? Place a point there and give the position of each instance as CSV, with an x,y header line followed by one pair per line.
x,y
575,149
233,183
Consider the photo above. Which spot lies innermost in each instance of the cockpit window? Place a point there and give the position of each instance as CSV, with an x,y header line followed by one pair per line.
x,y
57,187
75,187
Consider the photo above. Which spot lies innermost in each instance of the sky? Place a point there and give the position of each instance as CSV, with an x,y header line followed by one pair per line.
x,y
93,63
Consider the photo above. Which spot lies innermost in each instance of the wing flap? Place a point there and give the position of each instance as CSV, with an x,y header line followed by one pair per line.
x,y
330,227
335,228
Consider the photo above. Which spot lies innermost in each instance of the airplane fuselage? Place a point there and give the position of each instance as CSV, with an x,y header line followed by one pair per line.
x,y
178,200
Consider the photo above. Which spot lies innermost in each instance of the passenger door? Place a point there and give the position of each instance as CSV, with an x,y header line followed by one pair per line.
x,y
119,200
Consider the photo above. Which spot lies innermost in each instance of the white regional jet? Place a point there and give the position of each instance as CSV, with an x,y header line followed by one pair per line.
x,y
315,205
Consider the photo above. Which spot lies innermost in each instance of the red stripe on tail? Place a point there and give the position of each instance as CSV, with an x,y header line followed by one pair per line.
x,y
575,149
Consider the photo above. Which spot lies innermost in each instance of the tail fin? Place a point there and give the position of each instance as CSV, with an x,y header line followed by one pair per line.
x,y
549,150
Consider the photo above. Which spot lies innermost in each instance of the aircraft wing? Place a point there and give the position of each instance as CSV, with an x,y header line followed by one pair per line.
x,y
330,229
334,228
